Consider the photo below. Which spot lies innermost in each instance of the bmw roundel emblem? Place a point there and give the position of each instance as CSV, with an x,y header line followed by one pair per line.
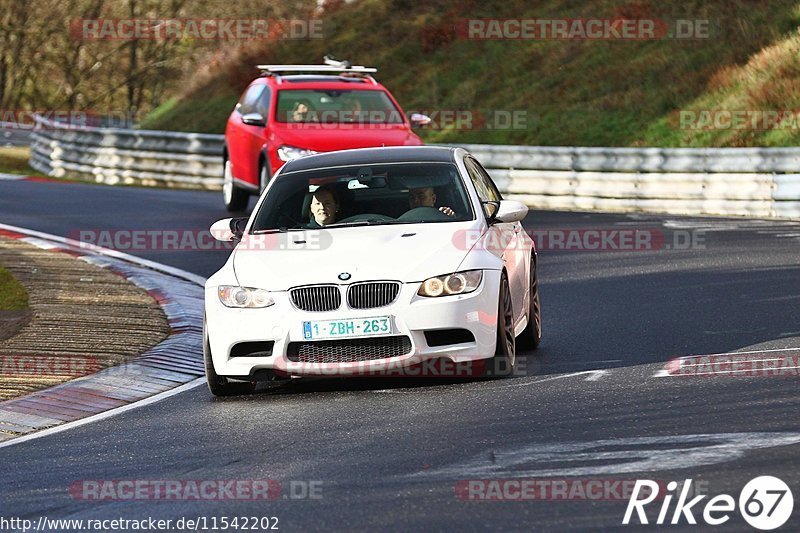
x,y
344,276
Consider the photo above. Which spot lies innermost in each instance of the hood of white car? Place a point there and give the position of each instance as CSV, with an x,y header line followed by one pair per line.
x,y
407,253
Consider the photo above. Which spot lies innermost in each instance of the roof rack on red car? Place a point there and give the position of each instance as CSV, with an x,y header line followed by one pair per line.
x,y
331,66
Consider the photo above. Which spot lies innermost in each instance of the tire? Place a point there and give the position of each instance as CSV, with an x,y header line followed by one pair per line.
x,y
220,385
264,176
235,198
531,336
504,360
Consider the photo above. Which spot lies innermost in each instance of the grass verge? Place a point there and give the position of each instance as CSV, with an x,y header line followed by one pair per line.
x,y
14,160
13,296
567,92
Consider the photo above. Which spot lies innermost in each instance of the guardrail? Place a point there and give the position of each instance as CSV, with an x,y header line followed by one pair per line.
x,y
129,157
12,134
762,182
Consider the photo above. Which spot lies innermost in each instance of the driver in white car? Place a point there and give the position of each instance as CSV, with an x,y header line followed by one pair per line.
x,y
426,197
324,208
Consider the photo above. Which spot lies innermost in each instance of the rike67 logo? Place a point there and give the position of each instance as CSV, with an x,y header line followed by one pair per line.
x,y
765,503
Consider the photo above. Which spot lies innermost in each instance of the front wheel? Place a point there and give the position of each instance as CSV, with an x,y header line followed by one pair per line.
x,y
235,198
504,360
220,385
531,336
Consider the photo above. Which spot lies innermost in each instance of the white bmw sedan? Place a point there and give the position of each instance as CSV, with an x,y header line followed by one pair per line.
x,y
365,261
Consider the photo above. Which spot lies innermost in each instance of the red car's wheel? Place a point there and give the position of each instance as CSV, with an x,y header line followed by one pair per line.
x,y
234,197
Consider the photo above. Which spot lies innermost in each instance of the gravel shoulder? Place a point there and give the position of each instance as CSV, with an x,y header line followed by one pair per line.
x,y
82,318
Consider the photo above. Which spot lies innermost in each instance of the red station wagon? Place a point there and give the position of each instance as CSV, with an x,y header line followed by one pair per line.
x,y
296,110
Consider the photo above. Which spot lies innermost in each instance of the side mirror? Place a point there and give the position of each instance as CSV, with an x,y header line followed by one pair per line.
x,y
418,120
228,229
490,209
254,119
508,211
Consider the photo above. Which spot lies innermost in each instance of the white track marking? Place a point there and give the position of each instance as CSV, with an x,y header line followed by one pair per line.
x,y
585,363
664,373
594,376
106,414
609,456
11,177
742,353
178,273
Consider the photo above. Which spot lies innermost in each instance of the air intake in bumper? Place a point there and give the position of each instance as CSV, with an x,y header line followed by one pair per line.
x,y
349,350
443,337
253,349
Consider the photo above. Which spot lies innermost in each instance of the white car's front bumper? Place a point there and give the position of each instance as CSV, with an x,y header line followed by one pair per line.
x,y
411,314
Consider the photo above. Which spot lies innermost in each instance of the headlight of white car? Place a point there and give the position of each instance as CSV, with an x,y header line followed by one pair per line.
x,y
231,296
287,153
450,284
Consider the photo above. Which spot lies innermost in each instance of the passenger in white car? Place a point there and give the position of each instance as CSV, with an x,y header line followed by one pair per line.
x,y
426,197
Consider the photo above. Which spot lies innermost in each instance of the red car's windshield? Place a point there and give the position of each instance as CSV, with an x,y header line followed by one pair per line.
x,y
299,106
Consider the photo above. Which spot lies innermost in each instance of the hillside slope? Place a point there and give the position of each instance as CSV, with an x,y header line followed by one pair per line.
x,y
568,92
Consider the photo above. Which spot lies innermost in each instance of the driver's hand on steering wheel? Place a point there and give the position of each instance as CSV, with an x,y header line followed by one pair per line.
x,y
447,211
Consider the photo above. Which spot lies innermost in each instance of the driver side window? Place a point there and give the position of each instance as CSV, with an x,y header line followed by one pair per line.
x,y
484,186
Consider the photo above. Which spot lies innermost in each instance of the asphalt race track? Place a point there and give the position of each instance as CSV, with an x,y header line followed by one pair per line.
x,y
595,404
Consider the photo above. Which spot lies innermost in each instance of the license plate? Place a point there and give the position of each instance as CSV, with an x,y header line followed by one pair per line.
x,y
358,327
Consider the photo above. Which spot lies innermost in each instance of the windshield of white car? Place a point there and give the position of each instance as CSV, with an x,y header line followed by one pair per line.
x,y
364,195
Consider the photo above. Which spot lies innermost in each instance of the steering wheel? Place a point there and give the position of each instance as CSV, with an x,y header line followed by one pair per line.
x,y
424,213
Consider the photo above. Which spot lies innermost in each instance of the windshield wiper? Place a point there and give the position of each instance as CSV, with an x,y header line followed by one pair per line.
x,y
274,230
354,223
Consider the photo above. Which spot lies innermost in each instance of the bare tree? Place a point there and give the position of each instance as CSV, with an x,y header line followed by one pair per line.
x,y
46,62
